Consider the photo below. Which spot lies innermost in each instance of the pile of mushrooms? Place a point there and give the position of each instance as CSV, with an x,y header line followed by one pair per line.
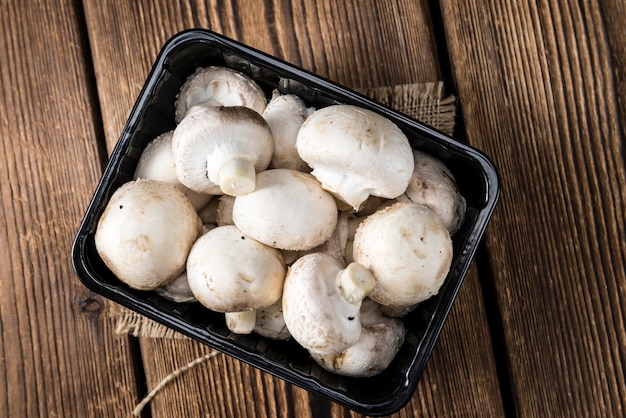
x,y
323,226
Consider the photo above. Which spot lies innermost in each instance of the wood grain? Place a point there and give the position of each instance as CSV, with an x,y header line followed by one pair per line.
x,y
58,355
385,43
537,81
613,14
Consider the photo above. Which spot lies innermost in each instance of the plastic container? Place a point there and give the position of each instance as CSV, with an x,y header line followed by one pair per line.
x,y
153,114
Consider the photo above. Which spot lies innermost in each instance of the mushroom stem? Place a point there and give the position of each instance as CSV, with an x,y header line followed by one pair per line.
x,y
241,322
237,176
355,282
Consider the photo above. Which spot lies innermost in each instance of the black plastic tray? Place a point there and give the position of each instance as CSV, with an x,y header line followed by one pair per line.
x,y
153,114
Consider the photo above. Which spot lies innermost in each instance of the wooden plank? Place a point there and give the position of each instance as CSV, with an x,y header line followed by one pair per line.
x,y
58,355
538,87
386,43
308,34
456,382
614,15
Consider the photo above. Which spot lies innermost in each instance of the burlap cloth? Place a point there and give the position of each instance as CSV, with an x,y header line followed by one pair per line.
x,y
425,102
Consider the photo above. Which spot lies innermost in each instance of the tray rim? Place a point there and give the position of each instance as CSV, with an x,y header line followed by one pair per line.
x,y
431,333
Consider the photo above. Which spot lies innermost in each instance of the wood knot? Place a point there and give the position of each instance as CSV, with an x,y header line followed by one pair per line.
x,y
92,305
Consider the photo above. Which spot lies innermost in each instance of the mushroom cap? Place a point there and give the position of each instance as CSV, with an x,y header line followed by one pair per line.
x,y
398,311
288,210
433,185
145,233
285,114
317,315
355,152
210,139
219,86
335,245
230,272
380,340
157,163
409,251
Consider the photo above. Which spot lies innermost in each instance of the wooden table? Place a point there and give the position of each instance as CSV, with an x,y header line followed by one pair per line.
x,y
538,329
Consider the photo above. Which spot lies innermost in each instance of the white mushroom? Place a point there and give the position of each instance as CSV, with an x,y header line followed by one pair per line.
x,y
433,185
290,256
353,225
270,322
157,163
146,232
355,153
208,213
285,115
336,244
219,86
177,290
380,341
321,302
371,205
225,210
397,311
218,149
288,210
409,251
231,273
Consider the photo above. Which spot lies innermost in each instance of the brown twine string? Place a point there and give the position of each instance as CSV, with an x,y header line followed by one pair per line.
x,y
170,377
